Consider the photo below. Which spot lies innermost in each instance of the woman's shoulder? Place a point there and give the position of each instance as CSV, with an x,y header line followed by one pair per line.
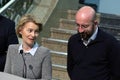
x,y
13,49
42,49
14,45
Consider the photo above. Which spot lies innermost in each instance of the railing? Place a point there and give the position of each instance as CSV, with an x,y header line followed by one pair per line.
x,y
4,6
3,2
14,9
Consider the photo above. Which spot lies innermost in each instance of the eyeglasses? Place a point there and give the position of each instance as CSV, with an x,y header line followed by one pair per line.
x,y
84,25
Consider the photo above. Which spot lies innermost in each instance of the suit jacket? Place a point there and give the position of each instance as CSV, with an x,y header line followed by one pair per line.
x,y
99,60
40,63
7,37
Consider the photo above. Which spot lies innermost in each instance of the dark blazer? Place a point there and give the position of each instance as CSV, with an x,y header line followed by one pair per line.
x,y
7,37
100,60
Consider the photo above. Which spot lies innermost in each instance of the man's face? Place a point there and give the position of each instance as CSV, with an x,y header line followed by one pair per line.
x,y
85,28
86,22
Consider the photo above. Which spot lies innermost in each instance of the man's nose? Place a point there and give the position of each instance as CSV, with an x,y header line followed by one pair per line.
x,y
80,29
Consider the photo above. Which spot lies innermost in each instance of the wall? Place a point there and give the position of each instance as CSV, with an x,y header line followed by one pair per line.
x,y
92,1
109,6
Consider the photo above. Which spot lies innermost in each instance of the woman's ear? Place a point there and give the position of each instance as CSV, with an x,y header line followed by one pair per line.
x,y
20,30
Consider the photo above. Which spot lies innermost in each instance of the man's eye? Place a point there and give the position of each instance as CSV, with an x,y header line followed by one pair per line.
x,y
84,26
37,31
77,24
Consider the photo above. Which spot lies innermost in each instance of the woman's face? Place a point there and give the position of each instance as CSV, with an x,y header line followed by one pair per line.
x,y
29,32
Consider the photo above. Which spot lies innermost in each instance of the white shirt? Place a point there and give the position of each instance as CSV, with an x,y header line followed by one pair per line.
x,y
91,38
31,51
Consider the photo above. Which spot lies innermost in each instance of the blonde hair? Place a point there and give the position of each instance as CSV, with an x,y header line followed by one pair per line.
x,y
25,19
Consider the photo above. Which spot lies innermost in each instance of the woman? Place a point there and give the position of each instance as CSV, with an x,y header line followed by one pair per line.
x,y
29,60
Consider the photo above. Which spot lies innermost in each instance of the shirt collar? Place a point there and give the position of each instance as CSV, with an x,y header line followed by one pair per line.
x,y
91,38
32,51
94,34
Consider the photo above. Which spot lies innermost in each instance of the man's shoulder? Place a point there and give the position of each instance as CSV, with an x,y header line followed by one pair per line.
x,y
107,36
75,36
4,19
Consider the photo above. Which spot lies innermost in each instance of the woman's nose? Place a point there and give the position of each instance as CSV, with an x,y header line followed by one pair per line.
x,y
33,34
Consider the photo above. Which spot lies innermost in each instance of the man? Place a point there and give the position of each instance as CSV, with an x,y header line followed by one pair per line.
x,y
7,37
92,53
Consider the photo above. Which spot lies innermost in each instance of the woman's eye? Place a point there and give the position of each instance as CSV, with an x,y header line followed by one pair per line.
x,y
29,30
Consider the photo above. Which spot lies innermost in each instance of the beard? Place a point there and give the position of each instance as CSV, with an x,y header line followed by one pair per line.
x,y
86,35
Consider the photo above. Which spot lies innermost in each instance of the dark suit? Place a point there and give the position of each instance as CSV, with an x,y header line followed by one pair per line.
x,y
7,37
99,60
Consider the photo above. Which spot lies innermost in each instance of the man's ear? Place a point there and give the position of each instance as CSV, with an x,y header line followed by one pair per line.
x,y
95,22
